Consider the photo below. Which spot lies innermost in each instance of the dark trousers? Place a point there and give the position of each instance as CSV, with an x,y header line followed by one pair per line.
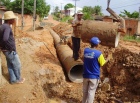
x,y
76,47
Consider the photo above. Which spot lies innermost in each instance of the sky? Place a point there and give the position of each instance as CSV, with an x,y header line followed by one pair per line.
x,y
116,5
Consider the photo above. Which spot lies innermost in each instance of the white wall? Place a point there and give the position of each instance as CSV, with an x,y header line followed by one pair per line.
x,y
72,10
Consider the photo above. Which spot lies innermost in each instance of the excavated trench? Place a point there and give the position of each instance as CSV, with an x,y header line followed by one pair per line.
x,y
119,78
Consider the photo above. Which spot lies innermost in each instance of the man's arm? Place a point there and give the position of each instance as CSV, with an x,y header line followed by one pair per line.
x,y
102,60
76,23
6,34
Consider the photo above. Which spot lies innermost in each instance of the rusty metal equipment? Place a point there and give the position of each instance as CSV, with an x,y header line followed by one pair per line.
x,y
74,69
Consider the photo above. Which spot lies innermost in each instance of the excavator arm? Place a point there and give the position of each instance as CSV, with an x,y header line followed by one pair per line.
x,y
121,27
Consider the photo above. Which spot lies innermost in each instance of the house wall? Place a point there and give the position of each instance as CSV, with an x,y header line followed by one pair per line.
x,y
28,20
71,11
131,26
108,19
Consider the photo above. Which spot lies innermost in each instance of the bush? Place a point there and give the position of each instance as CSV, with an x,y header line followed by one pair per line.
x,y
131,38
67,19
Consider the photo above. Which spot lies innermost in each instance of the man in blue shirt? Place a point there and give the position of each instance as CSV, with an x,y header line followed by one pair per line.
x,y
93,59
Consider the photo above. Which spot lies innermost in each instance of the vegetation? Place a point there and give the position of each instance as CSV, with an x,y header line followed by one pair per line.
x,y
97,10
56,13
67,19
125,13
131,38
69,5
42,9
5,2
90,11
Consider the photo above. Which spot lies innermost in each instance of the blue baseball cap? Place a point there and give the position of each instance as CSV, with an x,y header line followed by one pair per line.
x,y
95,40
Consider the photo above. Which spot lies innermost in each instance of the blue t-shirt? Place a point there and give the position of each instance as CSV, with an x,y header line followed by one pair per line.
x,y
93,59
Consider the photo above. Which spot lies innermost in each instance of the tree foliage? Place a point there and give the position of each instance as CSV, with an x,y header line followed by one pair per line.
x,y
90,11
134,14
69,5
57,12
97,10
42,8
4,2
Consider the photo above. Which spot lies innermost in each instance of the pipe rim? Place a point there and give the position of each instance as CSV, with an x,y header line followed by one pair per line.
x,y
76,80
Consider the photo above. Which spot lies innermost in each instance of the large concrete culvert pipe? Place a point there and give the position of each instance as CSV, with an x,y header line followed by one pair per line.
x,y
74,69
106,31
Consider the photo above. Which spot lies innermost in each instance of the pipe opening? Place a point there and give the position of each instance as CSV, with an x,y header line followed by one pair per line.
x,y
76,74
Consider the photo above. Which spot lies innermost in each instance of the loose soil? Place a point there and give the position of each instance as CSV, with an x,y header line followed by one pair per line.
x,y
47,81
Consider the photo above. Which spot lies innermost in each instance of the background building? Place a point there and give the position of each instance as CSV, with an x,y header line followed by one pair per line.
x,y
71,11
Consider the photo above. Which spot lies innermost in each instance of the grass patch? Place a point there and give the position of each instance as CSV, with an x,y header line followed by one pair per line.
x,y
66,19
131,38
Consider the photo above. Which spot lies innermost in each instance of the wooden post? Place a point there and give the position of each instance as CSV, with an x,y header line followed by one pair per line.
x,y
138,27
22,15
34,15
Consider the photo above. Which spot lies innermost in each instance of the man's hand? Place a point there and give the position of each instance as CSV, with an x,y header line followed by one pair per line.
x,y
109,57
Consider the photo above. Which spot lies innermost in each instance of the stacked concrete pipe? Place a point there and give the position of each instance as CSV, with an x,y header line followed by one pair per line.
x,y
74,69
107,32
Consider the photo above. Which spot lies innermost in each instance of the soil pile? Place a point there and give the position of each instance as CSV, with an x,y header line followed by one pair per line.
x,y
122,70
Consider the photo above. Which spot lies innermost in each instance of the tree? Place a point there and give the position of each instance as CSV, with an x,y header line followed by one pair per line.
x,y
4,2
97,10
125,13
42,8
56,10
69,5
89,11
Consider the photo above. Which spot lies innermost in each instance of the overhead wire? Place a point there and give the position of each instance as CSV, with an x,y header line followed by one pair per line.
x,y
126,6
123,6
123,2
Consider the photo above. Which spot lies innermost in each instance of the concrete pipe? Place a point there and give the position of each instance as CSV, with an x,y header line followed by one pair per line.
x,y
106,31
74,69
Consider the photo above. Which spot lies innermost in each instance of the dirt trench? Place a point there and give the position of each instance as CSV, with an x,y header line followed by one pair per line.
x,y
123,70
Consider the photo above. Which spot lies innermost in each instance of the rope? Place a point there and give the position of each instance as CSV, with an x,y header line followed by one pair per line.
x,y
48,49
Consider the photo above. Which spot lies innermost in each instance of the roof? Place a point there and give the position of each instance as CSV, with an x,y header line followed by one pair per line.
x,y
77,8
98,17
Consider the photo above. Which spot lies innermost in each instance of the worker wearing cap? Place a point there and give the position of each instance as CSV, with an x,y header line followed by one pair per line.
x,y
93,60
8,47
77,26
